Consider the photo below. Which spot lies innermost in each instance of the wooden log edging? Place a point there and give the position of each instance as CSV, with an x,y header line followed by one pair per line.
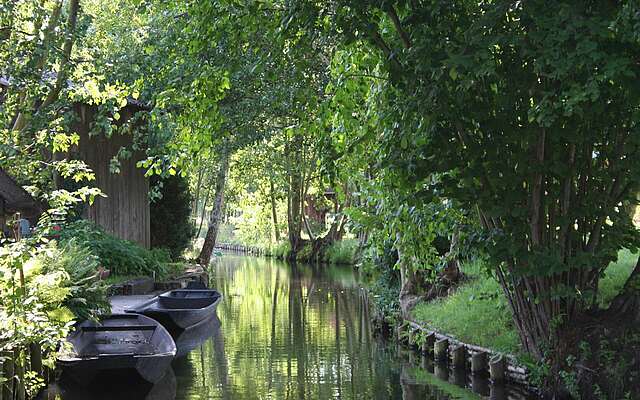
x,y
239,248
480,360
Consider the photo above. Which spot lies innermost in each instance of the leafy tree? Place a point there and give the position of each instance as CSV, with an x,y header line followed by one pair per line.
x,y
528,113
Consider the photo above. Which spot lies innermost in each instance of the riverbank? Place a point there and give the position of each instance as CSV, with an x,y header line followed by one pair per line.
x,y
481,312
476,314
342,252
141,285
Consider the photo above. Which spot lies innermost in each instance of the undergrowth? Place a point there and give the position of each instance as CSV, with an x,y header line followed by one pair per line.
x,y
342,252
121,257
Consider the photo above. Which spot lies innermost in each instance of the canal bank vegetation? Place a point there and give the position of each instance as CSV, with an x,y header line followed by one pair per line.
x,y
481,313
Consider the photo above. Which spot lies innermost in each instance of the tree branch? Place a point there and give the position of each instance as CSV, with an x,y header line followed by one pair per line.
x,y
406,41
536,193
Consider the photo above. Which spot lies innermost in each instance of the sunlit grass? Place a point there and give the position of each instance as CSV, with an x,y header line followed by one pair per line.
x,y
477,313
615,276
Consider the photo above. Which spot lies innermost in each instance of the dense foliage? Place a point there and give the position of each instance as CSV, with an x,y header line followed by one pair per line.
x,y
121,257
171,226
44,288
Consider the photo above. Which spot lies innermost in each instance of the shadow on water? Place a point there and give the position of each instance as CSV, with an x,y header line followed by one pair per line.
x,y
299,332
115,386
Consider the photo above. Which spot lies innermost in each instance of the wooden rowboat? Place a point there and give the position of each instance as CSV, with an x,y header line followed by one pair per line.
x,y
180,309
119,342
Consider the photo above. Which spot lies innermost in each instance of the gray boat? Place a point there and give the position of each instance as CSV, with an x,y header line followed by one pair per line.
x,y
116,343
180,309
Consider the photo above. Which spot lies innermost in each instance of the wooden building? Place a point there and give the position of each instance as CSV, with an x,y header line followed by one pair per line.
x,y
14,199
125,211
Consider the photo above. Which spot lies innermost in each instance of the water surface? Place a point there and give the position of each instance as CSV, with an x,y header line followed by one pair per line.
x,y
298,332
289,332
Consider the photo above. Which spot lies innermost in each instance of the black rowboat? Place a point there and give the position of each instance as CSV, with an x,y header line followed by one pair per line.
x,y
119,342
188,298
180,309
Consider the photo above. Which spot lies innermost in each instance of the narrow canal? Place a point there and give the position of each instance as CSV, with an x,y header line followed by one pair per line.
x,y
295,332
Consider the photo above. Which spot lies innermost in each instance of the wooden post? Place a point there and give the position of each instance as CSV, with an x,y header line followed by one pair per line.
x,y
498,392
427,346
441,371
459,377
412,358
441,349
479,362
496,369
480,385
459,357
424,362
35,355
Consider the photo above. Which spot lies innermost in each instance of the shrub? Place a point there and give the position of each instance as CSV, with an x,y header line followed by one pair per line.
x,y
87,295
281,250
171,225
122,257
384,286
342,252
305,253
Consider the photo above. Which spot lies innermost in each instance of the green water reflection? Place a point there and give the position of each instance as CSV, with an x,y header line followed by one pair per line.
x,y
295,332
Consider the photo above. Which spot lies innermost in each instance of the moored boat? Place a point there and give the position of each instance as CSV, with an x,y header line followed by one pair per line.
x,y
118,342
180,309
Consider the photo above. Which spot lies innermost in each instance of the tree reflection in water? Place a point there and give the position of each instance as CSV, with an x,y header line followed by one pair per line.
x,y
317,345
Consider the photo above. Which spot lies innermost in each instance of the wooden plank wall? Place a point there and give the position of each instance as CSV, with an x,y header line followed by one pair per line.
x,y
125,212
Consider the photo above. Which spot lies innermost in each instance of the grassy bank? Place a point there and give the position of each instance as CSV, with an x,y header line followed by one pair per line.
x,y
477,312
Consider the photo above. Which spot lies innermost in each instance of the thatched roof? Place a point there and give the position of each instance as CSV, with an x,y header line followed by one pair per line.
x,y
15,197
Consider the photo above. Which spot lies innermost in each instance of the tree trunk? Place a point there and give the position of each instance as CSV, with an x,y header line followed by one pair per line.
x,y
203,213
627,303
294,220
274,213
294,209
408,297
307,227
217,213
196,198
